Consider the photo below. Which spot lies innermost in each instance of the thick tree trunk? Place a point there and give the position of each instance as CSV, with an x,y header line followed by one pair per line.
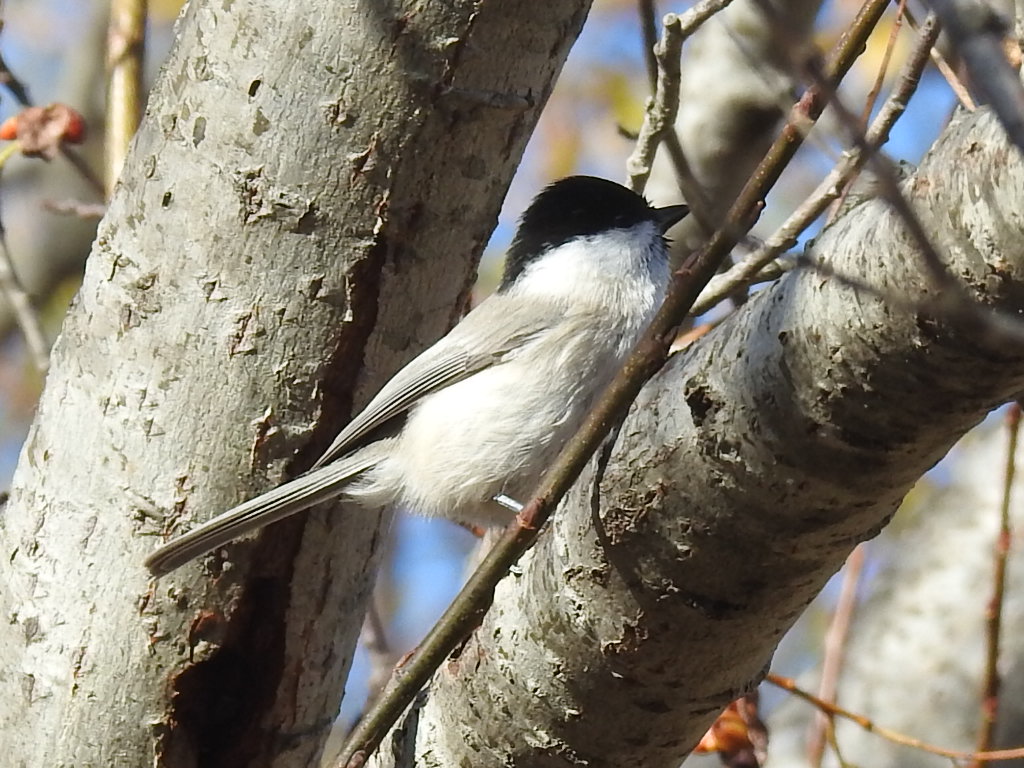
x,y
747,471
306,198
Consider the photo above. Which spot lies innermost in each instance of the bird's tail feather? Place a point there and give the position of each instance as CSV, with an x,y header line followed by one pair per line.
x,y
294,496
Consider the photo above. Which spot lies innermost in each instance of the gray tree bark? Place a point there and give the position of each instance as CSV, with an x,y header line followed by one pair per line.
x,y
746,473
304,203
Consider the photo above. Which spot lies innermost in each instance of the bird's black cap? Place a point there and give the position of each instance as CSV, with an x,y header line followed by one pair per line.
x,y
578,206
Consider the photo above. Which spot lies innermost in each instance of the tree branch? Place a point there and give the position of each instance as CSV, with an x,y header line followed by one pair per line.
x,y
746,473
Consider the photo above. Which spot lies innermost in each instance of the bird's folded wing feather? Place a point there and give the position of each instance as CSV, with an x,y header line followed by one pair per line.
x,y
463,352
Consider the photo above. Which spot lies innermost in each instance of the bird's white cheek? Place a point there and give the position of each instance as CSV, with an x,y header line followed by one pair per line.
x,y
619,270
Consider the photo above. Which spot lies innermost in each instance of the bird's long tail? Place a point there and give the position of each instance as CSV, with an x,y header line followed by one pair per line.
x,y
304,491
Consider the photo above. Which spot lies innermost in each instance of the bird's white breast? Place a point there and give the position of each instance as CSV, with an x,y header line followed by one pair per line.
x,y
499,429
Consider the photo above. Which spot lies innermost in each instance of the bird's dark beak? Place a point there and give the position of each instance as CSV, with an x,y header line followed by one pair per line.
x,y
670,215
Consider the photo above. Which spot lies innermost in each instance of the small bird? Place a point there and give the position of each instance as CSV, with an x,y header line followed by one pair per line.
x,y
475,419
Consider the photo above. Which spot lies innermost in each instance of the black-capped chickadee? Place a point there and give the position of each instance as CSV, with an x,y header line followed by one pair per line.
x,y
482,412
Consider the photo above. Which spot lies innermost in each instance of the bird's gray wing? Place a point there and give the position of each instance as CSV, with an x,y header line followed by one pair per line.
x,y
492,337
488,335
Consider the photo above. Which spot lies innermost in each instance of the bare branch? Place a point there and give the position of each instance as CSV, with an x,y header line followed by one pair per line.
x,y
76,208
785,237
126,45
648,11
10,81
24,312
994,610
21,303
946,70
662,107
867,724
834,652
977,32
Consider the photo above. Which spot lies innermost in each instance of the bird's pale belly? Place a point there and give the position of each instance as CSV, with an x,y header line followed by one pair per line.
x,y
465,453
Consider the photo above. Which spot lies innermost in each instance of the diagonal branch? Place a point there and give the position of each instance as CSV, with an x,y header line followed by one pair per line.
x,y
475,597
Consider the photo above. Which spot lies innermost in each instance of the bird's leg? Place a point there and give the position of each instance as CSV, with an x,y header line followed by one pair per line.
x,y
509,503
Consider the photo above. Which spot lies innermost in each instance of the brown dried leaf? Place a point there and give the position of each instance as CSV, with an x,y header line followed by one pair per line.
x,y
738,735
41,130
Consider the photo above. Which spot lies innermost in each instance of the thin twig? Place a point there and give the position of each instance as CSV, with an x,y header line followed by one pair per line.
x,y
832,710
994,609
84,169
835,650
13,84
883,68
693,193
75,208
661,111
648,12
742,275
956,85
700,206
12,289
834,743
946,70
24,313
469,606
382,656
876,88
126,40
